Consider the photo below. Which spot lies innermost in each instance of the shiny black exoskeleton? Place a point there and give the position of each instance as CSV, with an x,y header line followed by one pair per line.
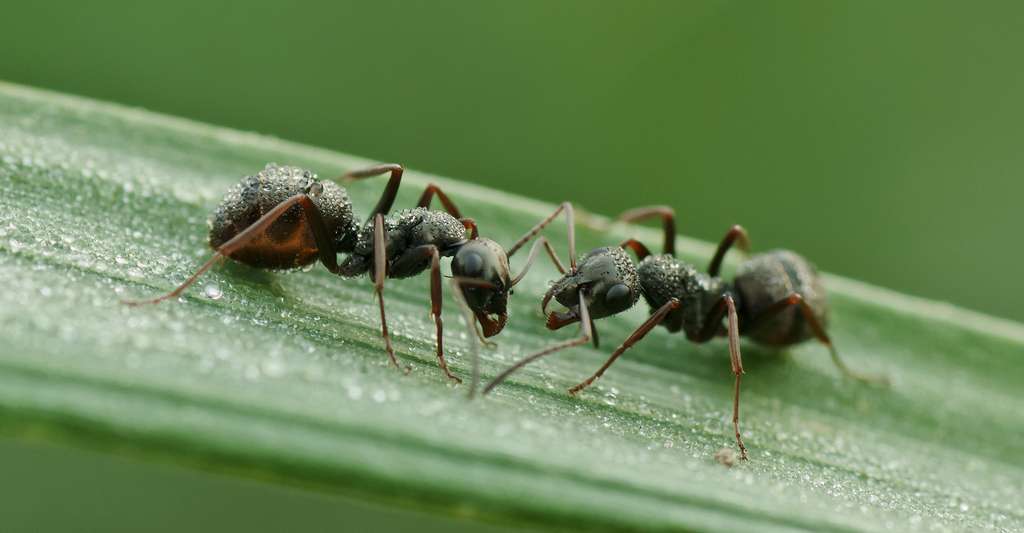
x,y
284,217
776,298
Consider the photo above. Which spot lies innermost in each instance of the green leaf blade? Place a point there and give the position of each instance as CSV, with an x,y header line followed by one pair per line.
x,y
284,376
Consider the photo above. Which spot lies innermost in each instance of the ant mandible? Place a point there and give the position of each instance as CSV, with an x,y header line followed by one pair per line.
x,y
284,217
776,298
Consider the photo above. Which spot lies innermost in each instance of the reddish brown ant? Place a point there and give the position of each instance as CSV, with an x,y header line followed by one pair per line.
x,y
284,218
777,299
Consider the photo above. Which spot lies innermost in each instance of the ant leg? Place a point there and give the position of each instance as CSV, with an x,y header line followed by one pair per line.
x,y
244,237
428,195
570,220
435,309
635,337
712,325
435,190
819,333
379,274
470,226
409,262
586,333
737,369
737,235
387,198
638,248
533,255
458,285
668,220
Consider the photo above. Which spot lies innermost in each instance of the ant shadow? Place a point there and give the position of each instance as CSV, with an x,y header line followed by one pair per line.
x,y
255,278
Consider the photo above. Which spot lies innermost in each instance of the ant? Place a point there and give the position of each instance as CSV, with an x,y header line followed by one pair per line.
x,y
776,298
284,217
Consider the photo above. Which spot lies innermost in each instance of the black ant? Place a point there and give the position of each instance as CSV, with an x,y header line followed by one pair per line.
x,y
285,218
777,299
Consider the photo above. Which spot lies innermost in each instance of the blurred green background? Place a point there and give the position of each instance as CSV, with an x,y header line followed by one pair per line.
x,y
881,139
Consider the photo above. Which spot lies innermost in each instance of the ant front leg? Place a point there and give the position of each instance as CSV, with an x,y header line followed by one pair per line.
x,y
668,221
387,198
570,220
586,334
819,332
737,235
325,246
533,256
458,285
408,262
635,337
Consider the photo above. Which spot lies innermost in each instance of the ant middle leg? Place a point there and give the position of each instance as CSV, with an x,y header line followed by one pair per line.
x,y
435,190
668,221
635,337
726,308
379,275
325,245
736,235
410,261
387,198
796,299
639,248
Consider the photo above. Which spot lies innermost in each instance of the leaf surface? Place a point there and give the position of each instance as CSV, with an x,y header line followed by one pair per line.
x,y
283,376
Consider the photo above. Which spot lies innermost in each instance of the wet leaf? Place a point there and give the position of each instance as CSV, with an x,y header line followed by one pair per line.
x,y
283,376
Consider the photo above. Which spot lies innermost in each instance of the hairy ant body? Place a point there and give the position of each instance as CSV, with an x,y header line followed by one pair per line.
x,y
284,217
776,299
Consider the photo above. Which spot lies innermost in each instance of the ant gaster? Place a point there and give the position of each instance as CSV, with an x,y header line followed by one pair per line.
x,y
776,299
284,217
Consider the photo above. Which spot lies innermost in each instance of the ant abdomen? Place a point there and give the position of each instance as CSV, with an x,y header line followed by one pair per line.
x,y
769,278
288,242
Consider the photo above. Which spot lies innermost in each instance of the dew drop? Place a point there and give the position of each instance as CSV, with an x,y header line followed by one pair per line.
x,y
212,291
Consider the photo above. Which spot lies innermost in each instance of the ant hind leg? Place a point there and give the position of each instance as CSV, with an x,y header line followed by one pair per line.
x,y
796,299
325,245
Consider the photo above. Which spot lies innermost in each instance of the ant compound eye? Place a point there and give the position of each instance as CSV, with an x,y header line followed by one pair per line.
x,y
472,265
618,297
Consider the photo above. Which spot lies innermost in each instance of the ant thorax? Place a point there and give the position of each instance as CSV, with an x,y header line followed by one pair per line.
x,y
406,230
663,277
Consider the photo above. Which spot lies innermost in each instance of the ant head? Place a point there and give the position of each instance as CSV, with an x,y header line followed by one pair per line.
x,y
606,276
485,261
